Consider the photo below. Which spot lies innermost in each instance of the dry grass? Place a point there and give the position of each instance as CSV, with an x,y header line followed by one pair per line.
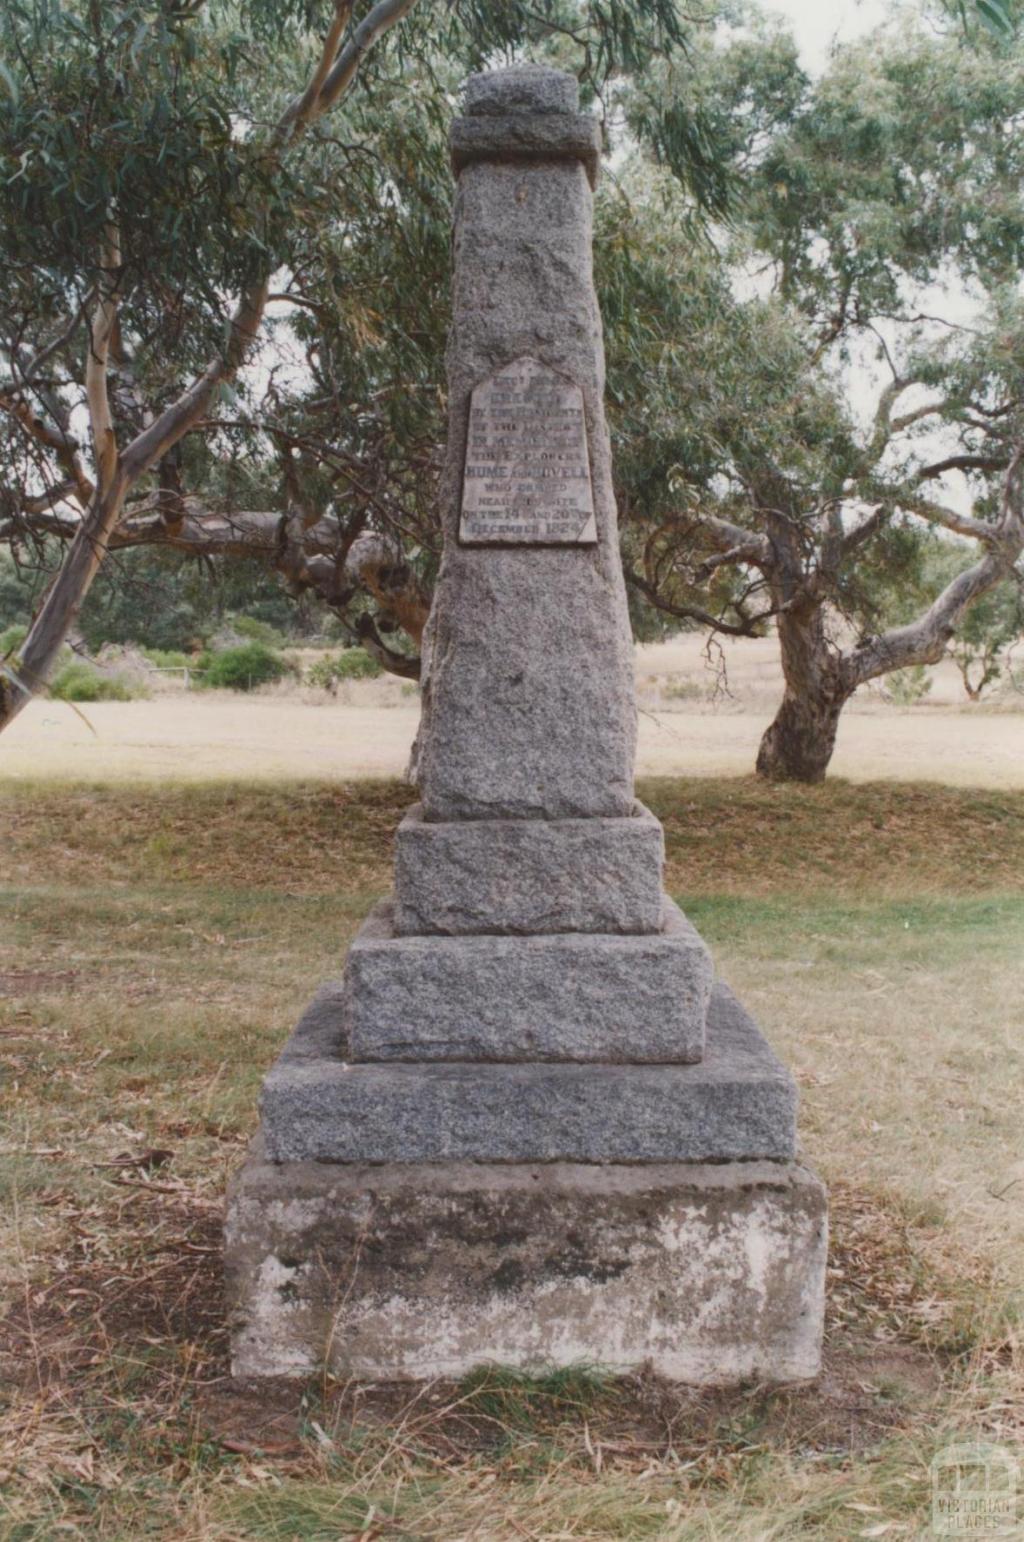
x,y
157,947
735,836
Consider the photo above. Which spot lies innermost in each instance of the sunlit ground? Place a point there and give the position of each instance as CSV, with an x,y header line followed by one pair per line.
x,y
692,723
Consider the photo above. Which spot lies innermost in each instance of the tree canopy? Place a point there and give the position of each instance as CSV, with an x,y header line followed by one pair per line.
x,y
164,168
227,241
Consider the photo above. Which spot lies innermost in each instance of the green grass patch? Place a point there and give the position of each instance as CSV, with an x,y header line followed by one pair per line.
x,y
518,1400
903,927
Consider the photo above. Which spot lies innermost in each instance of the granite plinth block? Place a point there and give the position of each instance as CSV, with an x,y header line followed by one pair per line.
x,y
528,876
564,996
737,1104
711,1274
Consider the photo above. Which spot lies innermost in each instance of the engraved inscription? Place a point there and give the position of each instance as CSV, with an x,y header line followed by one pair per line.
x,y
527,472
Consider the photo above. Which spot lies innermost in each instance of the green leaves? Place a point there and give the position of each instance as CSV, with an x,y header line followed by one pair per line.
x,y
996,16
8,82
689,142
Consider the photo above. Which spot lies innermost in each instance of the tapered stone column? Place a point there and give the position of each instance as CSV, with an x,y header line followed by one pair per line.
x,y
526,1125
529,709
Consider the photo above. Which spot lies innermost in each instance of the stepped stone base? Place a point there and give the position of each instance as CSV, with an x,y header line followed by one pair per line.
x,y
737,1104
569,996
712,1274
528,876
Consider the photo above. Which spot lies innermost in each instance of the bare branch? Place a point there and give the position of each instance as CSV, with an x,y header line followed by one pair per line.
x,y
885,425
299,112
384,15
747,628
53,438
101,330
924,641
32,368
950,519
881,428
963,463
869,526
927,410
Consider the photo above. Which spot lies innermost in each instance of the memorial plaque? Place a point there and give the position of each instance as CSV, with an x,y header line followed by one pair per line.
x,y
526,479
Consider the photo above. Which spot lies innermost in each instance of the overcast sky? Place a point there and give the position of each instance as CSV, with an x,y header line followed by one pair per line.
x,y
817,24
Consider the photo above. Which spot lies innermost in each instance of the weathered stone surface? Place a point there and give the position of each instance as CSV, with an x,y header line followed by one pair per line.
x,y
576,1191
565,996
528,875
524,88
737,1104
528,137
713,1274
528,703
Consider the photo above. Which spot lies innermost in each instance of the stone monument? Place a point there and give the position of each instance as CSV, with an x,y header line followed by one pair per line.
x,y
527,1126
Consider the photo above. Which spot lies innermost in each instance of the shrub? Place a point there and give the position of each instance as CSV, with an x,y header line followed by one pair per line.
x,y
351,664
257,631
677,688
78,681
906,687
244,668
12,638
357,664
168,658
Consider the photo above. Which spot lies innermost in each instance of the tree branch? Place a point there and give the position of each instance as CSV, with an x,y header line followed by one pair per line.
x,y
336,75
101,422
379,20
299,112
869,526
950,519
925,640
52,438
963,463
748,628
906,419
45,353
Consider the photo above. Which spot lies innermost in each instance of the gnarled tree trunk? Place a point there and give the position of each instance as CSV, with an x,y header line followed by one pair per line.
x,y
798,745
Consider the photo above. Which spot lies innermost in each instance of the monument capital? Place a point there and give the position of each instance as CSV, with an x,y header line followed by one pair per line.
x,y
524,88
530,113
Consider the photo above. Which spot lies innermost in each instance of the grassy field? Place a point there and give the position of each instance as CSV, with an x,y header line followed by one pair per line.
x,y
157,945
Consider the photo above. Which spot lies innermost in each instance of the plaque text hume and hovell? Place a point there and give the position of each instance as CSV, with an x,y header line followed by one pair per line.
x,y
526,478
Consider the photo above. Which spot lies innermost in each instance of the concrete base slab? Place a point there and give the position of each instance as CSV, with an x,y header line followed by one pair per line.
x,y
570,996
737,1104
528,876
711,1274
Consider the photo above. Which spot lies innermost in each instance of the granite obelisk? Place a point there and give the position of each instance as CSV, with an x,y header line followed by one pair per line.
x,y
526,1125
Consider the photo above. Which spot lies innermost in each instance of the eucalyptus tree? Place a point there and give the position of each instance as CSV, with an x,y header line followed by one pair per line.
x,y
868,204
175,173
751,493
